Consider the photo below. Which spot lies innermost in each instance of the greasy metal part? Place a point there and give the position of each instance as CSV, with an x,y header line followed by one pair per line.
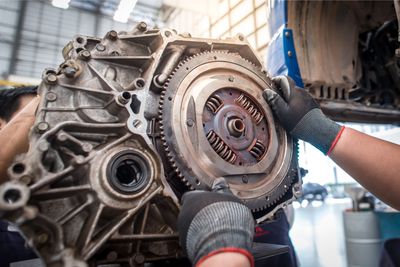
x,y
253,111
210,89
220,147
173,59
233,126
119,137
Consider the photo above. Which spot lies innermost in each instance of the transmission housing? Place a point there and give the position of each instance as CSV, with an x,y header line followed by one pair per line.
x,y
125,126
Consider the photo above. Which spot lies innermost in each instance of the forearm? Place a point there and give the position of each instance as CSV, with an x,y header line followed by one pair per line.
x,y
14,136
374,163
226,259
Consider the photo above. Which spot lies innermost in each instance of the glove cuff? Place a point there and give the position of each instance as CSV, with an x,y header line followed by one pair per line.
x,y
318,130
208,230
336,140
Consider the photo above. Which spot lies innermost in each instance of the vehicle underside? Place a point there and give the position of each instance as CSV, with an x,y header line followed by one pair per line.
x,y
346,52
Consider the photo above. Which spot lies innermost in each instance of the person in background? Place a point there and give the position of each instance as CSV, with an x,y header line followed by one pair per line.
x,y
17,107
17,114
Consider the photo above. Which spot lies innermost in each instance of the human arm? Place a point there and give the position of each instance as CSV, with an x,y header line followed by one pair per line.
x,y
216,227
226,259
372,162
14,136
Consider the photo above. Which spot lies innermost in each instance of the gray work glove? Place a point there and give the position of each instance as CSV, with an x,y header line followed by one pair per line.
x,y
215,222
301,116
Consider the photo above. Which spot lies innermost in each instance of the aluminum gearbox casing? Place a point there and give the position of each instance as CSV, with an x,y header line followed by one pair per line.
x,y
125,126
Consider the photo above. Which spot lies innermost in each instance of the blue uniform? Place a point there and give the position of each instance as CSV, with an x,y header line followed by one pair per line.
x,y
276,232
13,247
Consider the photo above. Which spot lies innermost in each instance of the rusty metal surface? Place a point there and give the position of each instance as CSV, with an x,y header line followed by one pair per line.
x,y
100,184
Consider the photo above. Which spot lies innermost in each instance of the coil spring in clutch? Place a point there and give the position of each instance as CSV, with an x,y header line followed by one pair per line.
x,y
220,147
257,150
214,103
247,104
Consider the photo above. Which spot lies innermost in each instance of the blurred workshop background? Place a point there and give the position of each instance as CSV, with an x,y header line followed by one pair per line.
x,y
33,33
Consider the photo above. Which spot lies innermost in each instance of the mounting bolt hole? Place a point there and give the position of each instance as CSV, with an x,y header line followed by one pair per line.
x,y
197,182
12,195
18,168
126,95
170,98
80,40
140,83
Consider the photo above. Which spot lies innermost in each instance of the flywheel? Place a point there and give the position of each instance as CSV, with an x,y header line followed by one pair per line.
x,y
215,123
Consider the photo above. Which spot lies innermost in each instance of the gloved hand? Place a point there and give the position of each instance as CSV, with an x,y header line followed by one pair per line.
x,y
301,116
215,222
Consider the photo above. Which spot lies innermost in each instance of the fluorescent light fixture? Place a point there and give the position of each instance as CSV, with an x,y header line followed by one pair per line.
x,y
124,10
61,3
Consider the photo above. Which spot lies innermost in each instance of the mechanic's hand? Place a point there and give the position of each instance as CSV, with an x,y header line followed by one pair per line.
x,y
301,116
14,136
215,222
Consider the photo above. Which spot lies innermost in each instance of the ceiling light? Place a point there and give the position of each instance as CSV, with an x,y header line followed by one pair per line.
x,y
61,3
124,10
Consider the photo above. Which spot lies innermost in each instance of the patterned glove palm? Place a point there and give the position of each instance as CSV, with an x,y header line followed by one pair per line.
x,y
215,222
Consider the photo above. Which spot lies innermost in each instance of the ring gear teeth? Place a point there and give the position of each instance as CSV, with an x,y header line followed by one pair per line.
x,y
259,205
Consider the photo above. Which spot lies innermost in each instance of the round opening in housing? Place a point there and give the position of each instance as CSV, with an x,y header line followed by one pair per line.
x,y
12,195
128,172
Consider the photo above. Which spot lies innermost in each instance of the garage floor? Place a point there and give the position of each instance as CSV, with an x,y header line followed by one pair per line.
x,y
317,233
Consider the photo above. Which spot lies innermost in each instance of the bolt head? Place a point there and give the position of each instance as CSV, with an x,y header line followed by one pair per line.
x,y
70,72
142,26
50,96
85,54
289,53
43,146
100,47
87,147
112,35
51,78
42,127
190,123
